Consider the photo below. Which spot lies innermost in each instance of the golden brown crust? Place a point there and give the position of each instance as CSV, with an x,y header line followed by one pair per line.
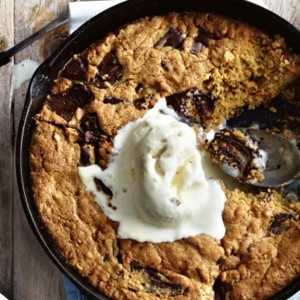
x,y
236,66
261,245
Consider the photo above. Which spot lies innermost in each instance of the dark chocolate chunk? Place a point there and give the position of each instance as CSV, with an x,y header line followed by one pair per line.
x,y
196,47
89,128
179,103
75,69
99,83
89,122
66,103
101,187
203,103
136,266
143,103
173,38
139,103
138,87
279,222
221,288
111,206
203,37
158,282
104,150
91,136
228,149
110,69
112,100
221,260
87,155
164,65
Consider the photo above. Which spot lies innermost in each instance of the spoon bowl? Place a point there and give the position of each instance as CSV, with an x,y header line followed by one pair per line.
x,y
256,157
283,158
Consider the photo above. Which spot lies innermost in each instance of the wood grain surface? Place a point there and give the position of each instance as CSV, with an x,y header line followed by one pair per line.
x,y
26,273
25,270
6,155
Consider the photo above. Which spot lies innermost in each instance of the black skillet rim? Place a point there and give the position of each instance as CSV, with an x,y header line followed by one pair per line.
x,y
107,21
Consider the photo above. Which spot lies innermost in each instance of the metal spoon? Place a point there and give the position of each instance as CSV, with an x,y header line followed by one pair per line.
x,y
5,56
283,159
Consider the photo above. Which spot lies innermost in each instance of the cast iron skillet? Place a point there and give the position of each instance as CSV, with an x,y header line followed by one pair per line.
x,y
91,31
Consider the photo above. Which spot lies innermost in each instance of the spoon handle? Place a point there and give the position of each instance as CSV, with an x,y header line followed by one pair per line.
x,y
6,55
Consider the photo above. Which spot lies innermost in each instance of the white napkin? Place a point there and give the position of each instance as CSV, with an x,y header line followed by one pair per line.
x,y
259,2
81,11
2,297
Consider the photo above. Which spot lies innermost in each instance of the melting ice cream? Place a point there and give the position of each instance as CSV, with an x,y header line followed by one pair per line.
x,y
160,192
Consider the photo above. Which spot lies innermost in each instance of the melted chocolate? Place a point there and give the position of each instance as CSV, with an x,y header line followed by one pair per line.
x,y
90,128
112,100
101,187
87,155
98,82
204,104
178,102
139,103
143,103
227,148
75,69
201,39
158,282
91,136
89,122
66,103
164,65
204,37
278,225
110,69
138,87
221,288
173,38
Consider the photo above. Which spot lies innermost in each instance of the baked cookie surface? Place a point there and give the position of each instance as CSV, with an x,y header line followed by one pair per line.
x,y
209,68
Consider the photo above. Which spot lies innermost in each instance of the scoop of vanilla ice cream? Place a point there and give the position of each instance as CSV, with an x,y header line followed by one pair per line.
x,y
167,170
160,192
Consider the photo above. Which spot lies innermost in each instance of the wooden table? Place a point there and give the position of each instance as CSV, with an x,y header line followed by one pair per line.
x,y
25,270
